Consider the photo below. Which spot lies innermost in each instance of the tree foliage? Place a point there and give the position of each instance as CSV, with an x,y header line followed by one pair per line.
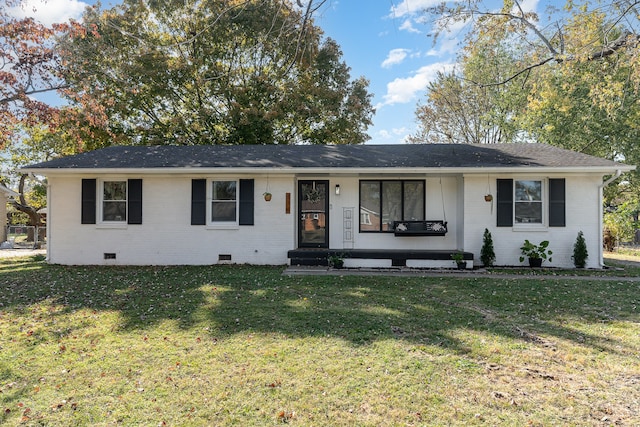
x,y
28,66
211,71
456,109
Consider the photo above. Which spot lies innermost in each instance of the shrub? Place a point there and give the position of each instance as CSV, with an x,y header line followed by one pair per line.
x,y
580,253
487,254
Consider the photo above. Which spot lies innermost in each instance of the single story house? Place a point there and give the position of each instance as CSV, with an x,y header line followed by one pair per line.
x,y
375,205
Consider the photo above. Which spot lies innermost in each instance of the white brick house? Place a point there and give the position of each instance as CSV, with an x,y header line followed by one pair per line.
x,y
167,205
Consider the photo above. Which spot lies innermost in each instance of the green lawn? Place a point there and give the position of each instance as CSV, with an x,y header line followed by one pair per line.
x,y
246,346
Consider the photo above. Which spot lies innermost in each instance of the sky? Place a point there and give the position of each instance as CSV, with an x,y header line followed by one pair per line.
x,y
386,41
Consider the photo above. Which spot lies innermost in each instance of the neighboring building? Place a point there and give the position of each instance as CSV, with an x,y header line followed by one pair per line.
x,y
167,205
5,193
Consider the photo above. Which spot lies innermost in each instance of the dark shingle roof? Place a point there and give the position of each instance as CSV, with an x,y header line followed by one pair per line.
x,y
329,157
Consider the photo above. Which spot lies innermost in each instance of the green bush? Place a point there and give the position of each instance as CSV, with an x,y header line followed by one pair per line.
x,y
580,253
487,254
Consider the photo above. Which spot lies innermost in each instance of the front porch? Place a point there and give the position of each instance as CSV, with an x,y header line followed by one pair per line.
x,y
398,257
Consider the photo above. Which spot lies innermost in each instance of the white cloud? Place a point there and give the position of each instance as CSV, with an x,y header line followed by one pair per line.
x,y
49,11
404,90
446,47
407,25
410,7
529,5
395,56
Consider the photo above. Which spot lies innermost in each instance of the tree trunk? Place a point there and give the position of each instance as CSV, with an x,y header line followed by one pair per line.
x,y
35,219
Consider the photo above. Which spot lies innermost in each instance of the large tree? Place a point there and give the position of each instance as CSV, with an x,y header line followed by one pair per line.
x,y
29,66
572,82
456,109
214,71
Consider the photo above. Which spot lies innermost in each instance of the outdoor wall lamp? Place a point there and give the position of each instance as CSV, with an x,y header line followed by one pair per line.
x,y
337,189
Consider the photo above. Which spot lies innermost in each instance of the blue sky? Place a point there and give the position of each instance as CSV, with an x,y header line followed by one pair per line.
x,y
385,41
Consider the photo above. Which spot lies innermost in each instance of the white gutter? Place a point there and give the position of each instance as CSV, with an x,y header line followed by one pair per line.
x,y
601,212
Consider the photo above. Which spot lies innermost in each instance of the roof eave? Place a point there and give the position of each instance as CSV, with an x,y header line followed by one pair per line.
x,y
324,171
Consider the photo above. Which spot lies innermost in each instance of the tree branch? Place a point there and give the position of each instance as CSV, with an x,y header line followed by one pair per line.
x,y
624,40
19,95
519,73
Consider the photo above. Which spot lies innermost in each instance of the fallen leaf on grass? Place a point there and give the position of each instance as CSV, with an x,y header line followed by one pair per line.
x,y
285,416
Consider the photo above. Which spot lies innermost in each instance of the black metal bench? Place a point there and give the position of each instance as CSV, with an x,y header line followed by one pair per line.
x,y
420,228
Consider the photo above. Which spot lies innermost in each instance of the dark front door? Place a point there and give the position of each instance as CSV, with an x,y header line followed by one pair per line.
x,y
313,210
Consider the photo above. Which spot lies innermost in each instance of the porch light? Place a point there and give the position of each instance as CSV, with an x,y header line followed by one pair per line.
x,y
337,189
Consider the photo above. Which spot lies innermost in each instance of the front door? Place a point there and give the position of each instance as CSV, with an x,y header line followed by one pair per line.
x,y
313,210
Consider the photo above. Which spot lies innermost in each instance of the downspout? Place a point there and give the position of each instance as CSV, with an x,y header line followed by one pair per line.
x,y
600,203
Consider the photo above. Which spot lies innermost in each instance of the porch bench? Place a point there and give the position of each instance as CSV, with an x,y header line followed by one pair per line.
x,y
420,228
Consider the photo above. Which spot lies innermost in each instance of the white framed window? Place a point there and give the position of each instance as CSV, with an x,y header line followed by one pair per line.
x,y
528,206
223,202
114,201
365,218
531,202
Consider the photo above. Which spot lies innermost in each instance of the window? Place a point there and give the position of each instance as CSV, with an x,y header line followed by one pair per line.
x,y
531,201
383,202
528,202
111,201
223,201
114,201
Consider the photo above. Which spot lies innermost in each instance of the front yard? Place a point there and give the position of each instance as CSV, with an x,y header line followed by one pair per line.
x,y
236,345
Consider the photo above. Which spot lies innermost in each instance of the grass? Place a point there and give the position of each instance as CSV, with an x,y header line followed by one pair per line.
x,y
239,345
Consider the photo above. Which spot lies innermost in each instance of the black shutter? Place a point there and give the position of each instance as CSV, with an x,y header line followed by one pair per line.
x,y
198,201
88,209
505,203
246,202
557,216
134,199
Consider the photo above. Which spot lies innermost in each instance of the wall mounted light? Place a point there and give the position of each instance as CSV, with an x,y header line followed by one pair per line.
x,y
337,189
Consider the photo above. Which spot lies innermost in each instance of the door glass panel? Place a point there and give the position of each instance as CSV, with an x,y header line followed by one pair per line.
x,y
313,215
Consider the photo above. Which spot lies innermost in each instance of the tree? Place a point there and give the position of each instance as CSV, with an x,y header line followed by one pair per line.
x,y
28,66
459,110
573,82
207,72
550,43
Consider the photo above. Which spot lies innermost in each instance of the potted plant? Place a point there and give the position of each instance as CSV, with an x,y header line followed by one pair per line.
x,y
336,261
535,253
267,196
458,258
